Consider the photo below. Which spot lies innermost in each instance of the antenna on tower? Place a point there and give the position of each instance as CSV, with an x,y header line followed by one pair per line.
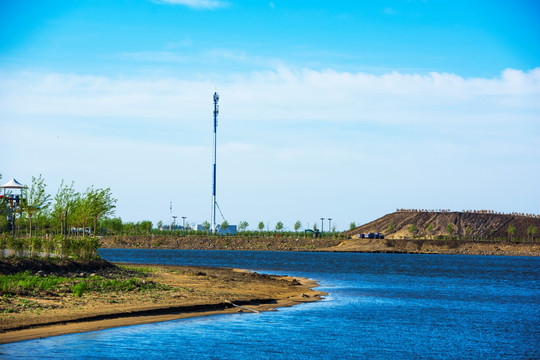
x,y
216,111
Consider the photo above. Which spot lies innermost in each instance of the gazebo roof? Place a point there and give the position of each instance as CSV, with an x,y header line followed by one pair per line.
x,y
13,184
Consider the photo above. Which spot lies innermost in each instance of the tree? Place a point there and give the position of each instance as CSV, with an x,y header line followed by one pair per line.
x,y
429,230
102,204
84,207
450,229
532,230
261,225
36,199
224,226
412,230
243,225
145,226
391,227
511,231
352,226
297,226
65,200
206,225
279,226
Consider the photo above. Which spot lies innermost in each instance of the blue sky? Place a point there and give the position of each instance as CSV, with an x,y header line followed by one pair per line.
x,y
341,109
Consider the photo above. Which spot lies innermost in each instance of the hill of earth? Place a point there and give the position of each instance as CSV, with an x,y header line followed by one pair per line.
x,y
464,225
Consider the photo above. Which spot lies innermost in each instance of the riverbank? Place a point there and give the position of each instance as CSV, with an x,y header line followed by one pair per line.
x,y
406,246
157,293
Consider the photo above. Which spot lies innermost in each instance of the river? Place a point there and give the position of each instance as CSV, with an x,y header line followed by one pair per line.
x,y
380,306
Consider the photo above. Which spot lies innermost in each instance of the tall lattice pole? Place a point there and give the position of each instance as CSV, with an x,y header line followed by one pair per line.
x,y
216,111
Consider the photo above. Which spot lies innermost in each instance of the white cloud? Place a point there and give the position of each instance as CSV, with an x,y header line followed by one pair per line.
x,y
284,137
196,4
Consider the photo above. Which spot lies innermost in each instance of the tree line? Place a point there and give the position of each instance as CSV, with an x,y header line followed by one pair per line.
x,y
68,212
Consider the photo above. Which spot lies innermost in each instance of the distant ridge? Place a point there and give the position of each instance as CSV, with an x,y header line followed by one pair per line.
x,y
467,225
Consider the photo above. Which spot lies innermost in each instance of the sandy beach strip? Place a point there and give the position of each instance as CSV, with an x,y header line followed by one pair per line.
x,y
193,292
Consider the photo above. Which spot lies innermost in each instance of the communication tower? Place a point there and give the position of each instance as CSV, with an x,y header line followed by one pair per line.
x,y
216,111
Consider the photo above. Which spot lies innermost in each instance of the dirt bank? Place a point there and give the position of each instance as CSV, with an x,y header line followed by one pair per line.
x,y
437,247
412,246
299,243
177,292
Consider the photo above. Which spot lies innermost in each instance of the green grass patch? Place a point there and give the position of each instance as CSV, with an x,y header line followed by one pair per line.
x,y
27,284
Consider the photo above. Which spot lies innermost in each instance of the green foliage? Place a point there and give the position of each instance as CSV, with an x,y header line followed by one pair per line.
x,y
79,288
297,225
261,225
412,229
352,226
511,230
279,226
25,283
206,225
450,229
243,225
224,225
531,231
391,227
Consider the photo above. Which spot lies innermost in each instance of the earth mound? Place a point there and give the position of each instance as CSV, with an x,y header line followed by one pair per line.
x,y
404,224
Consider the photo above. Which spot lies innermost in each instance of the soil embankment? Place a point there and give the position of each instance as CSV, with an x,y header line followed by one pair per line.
x,y
299,243
453,224
353,244
456,247
123,294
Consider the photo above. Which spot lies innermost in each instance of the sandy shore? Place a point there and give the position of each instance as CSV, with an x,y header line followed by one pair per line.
x,y
190,292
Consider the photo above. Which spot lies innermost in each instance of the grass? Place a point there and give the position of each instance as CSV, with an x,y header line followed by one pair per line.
x,y
25,283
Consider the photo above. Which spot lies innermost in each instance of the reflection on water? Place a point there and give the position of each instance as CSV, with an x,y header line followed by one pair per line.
x,y
380,306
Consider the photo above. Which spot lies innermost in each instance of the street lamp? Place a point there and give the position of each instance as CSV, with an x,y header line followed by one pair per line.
x,y
329,224
174,222
322,226
184,224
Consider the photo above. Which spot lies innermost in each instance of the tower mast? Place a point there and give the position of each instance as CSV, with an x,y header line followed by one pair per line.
x,y
216,111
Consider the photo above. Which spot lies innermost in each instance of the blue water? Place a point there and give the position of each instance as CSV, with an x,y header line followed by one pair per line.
x,y
380,306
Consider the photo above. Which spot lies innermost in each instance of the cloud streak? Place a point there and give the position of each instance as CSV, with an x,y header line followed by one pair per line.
x,y
196,4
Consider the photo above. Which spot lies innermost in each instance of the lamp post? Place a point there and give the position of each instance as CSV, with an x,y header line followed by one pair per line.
x,y
184,224
322,226
330,224
174,222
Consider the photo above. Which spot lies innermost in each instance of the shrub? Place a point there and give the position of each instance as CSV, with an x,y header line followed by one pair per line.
x,y
79,289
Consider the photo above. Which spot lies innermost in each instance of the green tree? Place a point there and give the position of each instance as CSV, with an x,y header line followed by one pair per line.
x,y
261,225
83,208
113,225
224,225
531,231
145,226
412,230
243,225
205,225
352,226
279,226
450,229
511,230
297,225
468,231
65,201
102,204
36,199
391,227
429,230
